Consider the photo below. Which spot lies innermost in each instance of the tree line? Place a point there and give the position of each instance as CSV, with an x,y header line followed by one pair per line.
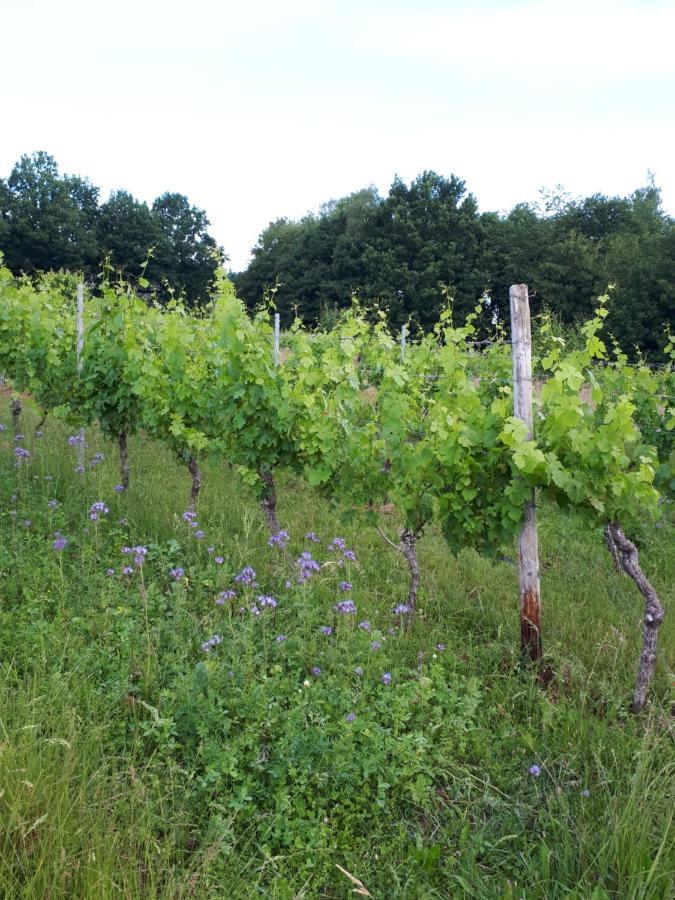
x,y
424,241
407,252
50,221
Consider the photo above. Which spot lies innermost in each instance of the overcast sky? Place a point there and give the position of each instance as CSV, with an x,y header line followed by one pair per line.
x,y
261,109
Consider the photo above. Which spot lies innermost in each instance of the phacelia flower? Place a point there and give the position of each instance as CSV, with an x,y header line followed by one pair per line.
x,y
403,609
280,638
311,536
266,600
358,671
76,440
118,488
60,544
375,645
20,453
534,771
345,586
350,556
326,630
365,625
207,646
350,717
109,572
345,608
337,543
386,678
316,671
177,573
53,504
246,576
280,539
219,560
188,516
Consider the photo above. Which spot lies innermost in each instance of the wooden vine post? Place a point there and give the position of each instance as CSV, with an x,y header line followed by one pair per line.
x,y
80,347
528,545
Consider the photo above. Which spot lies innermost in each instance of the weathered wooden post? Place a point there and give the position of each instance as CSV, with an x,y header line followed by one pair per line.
x,y
80,347
276,339
528,557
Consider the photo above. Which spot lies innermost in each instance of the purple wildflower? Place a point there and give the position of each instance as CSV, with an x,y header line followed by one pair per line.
x,y
53,504
316,671
79,470
345,586
109,572
93,516
585,793
99,507
194,523
403,609
358,671
350,717
60,544
127,570
440,647
27,523
350,555
345,608
39,433
307,566
246,576
18,438
207,646
229,594
119,488
177,573
337,543
326,630
76,440
255,611
199,534
311,536
219,560
386,678
189,516
280,638
534,771
20,453
365,625
210,550
280,539
266,600
375,645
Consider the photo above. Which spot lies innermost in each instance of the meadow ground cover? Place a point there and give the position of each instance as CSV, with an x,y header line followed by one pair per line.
x,y
190,708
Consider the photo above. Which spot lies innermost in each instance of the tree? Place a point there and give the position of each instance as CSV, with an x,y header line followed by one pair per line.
x,y
48,220
127,230
187,257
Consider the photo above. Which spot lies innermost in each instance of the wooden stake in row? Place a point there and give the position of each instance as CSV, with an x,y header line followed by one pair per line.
x,y
80,347
528,556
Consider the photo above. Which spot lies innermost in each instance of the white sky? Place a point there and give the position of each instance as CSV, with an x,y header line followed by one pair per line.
x,y
265,109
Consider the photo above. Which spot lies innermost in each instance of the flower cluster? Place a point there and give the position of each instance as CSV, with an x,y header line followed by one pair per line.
x,y
265,600
339,543
307,566
139,556
345,608
403,609
225,595
96,459
246,576
97,508
207,646
76,440
311,536
280,539
177,573
21,453
60,544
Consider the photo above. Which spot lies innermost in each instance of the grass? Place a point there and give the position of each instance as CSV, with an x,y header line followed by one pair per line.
x,y
134,764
